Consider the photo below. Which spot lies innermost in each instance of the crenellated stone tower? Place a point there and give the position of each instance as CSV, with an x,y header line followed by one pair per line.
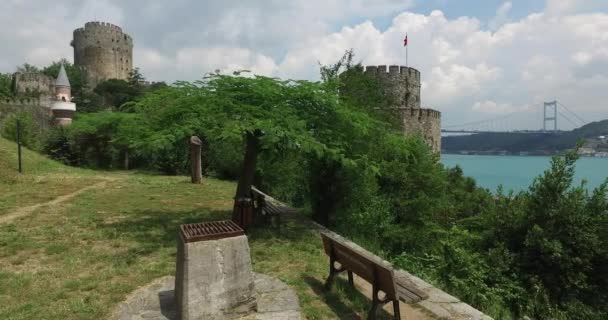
x,y
103,51
402,87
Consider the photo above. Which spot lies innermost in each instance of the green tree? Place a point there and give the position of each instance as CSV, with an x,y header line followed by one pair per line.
x,y
77,81
28,68
30,130
115,92
135,77
6,85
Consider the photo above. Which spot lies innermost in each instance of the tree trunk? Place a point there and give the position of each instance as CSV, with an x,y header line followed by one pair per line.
x,y
243,190
196,163
242,213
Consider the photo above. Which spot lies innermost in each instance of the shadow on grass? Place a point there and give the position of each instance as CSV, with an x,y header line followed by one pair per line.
x,y
341,291
292,229
332,299
155,230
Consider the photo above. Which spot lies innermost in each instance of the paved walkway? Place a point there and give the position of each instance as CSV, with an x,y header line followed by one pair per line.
x,y
24,211
276,301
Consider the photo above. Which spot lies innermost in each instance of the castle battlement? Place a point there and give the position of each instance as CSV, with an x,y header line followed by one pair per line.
x,y
98,29
26,102
422,112
393,70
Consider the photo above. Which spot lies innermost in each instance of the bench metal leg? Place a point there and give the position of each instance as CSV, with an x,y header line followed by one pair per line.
x,y
332,273
350,278
396,310
373,310
279,223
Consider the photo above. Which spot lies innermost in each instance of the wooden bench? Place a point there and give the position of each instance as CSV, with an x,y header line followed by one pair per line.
x,y
374,270
266,208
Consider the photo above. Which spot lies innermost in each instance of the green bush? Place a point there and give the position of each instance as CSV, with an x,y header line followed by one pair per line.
x,y
31,131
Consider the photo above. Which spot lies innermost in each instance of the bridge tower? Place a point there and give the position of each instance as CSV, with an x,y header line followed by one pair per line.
x,y
550,114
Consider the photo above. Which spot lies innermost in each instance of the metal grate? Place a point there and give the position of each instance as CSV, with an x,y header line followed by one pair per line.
x,y
210,231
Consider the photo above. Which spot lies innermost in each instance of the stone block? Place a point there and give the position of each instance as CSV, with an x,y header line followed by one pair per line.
x,y
214,279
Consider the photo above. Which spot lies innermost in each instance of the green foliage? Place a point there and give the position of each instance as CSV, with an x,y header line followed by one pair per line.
x,y
28,68
6,85
115,92
96,139
77,82
30,130
135,77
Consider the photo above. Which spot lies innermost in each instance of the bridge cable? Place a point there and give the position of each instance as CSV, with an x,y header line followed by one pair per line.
x,y
579,118
569,120
481,121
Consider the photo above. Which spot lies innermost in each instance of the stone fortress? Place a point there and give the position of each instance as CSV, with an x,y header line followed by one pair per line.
x,y
402,87
101,50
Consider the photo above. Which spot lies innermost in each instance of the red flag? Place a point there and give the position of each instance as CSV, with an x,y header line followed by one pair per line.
x,y
405,41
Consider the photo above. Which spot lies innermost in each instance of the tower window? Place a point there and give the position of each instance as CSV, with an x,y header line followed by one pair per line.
x,y
63,99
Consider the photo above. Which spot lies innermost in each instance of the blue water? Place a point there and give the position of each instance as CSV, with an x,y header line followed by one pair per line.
x,y
517,172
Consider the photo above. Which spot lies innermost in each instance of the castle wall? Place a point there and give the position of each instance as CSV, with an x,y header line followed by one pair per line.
x,y
401,86
41,114
423,122
33,82
103,52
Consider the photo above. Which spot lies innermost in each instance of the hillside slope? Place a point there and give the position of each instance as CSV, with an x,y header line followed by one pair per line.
x,y
524,142
32,162
42,180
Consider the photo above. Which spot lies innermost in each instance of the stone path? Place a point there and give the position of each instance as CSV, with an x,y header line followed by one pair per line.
x,y
24,211
276,301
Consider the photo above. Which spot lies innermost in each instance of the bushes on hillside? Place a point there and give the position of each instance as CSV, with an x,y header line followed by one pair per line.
x,y
31,131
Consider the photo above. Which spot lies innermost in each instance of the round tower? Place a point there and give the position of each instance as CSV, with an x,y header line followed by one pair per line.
x,y
401,84
62,107
103,51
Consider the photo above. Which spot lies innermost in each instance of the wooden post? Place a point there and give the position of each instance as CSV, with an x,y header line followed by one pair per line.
x,y
195,154
126,160
19,144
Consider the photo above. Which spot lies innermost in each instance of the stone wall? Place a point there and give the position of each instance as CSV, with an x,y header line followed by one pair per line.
x,y
33,82
423,122
103,51
42,115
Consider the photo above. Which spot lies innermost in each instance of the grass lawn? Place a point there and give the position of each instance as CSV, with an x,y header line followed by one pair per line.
x,y
77,259
42,181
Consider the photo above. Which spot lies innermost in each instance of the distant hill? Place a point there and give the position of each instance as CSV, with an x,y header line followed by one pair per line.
x,y
524,142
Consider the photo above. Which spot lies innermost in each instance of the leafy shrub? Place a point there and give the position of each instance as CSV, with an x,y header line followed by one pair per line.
x,y
30,130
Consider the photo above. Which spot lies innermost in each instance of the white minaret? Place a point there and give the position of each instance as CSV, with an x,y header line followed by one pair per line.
x,y
62,107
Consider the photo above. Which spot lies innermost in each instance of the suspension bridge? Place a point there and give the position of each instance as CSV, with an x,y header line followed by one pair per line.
x,y
552,113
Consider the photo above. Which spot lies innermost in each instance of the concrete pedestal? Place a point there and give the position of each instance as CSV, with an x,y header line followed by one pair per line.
x,y
214,279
